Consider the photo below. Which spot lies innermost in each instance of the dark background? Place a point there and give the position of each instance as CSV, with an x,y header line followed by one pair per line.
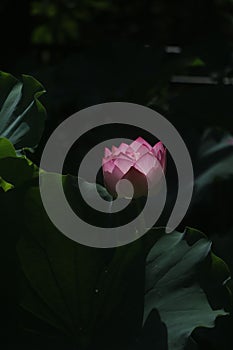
x,y
90,51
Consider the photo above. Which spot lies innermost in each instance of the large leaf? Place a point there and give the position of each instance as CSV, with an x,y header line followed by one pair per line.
x,y
22,115
173,289
14,170
214,141
88,294
215,159
6,148
213,183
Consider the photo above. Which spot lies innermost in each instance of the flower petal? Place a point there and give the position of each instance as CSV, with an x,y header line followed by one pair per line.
x,y
123,147
155,174
124,156
138,180
124,164
139,142
107,152
142,150
115,150
130,150
108,165
160,153
111,179
146,163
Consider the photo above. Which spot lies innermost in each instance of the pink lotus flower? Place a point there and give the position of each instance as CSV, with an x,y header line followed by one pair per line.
x,y
139,162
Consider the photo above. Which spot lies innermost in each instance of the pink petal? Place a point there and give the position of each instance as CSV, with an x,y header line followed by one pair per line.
x,y
124,164
123,156
108,165
115,150
138,180
117,174
107,152
160,153
139,142
142,150
158,146
111,179
146,163
105,160
155,174
130,150
123,147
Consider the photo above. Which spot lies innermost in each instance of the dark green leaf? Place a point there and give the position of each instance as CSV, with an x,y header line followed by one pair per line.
x,y
14,170
22,116
214,141
172,286
216,156
83,290
6,148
